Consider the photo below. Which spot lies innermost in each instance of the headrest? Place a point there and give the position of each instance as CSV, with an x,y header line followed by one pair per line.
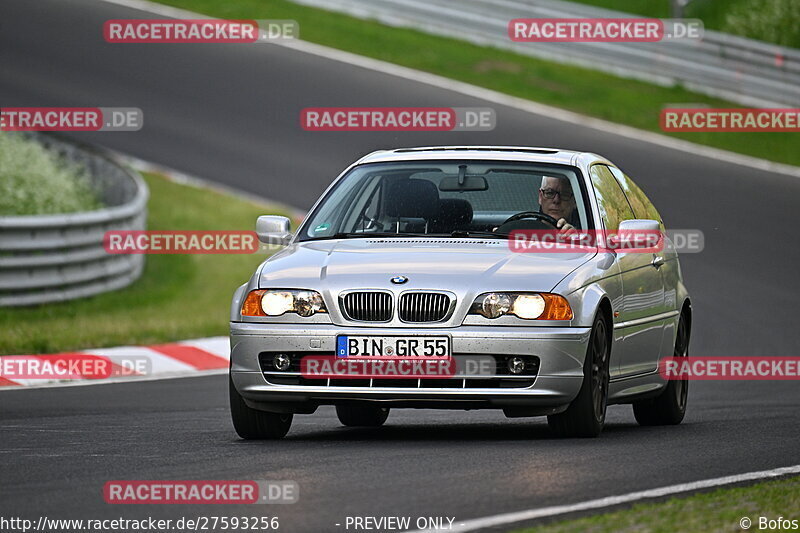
x,y
413,198
454,212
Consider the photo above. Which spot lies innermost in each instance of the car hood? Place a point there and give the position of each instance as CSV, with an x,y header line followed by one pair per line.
x,y
466,267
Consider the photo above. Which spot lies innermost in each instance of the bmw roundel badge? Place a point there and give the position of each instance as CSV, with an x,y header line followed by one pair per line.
x,y
399,280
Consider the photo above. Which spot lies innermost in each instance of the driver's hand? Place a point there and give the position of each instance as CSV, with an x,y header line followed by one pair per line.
x,y
565,227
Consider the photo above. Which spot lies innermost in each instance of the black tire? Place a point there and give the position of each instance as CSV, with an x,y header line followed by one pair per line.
x,y
362,415
669,407
252,424
586,415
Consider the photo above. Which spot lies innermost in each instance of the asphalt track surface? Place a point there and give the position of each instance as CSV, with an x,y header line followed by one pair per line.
x,y
230,114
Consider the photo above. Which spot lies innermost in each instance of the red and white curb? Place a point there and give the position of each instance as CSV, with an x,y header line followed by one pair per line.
x,y
180,359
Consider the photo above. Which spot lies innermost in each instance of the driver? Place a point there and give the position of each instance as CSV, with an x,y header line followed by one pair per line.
x,y
557,200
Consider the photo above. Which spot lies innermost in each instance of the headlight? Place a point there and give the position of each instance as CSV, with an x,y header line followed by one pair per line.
x,y
494,305
306,303
528,306
275,303
271,302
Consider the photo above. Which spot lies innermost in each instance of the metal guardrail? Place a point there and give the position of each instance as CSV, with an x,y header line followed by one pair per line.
x,y
50,258
740,70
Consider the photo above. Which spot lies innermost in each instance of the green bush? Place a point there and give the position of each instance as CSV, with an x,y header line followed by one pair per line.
x,y
775,21
36,181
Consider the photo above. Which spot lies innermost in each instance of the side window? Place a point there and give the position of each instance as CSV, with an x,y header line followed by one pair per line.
x,y
642,206
611,200
361,202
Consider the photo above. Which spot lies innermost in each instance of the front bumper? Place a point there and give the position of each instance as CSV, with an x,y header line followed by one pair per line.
x,y
561,352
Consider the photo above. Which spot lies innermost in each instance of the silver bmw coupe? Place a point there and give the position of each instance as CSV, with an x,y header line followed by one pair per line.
x,y
424,278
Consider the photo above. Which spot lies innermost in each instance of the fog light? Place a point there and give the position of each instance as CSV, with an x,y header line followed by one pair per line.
x,y
516,365
281,362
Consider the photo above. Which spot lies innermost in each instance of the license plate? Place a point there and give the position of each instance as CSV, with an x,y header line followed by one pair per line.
x,y
427,347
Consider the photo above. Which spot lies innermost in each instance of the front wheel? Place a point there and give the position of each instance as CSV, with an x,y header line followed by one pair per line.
x,y
357,415
252,424
586,415
669,407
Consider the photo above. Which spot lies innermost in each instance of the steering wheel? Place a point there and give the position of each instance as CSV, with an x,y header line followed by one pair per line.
x,y
535,215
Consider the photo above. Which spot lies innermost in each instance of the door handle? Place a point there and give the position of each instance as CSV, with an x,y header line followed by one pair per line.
x,y
658,260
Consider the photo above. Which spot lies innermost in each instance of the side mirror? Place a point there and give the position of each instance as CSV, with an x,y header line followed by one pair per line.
x,y
273,229
639,224
638,235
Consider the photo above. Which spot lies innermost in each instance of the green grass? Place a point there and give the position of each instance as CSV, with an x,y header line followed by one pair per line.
x,y
178,296
37,181
720,510
586,91
774,21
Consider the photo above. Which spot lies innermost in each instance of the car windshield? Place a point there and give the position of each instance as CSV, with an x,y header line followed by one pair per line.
x,y
453,198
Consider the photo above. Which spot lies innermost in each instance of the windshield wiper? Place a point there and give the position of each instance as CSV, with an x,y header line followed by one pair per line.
x,y
488,234
384,234
377,234
394,234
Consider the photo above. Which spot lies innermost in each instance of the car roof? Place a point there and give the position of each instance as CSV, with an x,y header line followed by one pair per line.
x,y
499,153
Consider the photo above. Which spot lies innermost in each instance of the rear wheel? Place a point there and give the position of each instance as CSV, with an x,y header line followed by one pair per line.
x,y
362,415
253,424
586,415
669,407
